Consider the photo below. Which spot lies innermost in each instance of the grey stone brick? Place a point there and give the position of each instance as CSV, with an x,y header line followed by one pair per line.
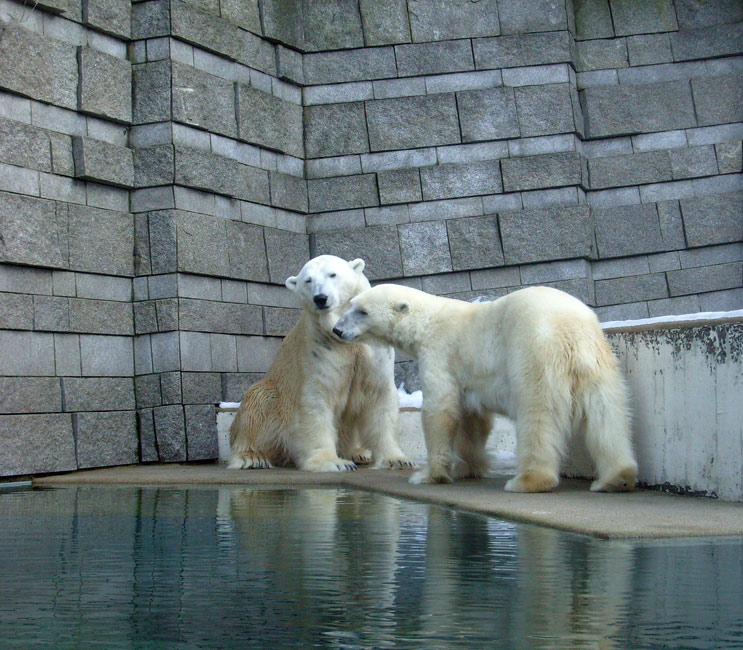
x,y
350,65
152,96
593,19
16,311
170,433
279,320
282,20
22,279
338,93
256,353
25,146
98,393
246,251
701,14
649,49
663,262
154,166
540,235
335,220
147,441
335,24
729,158
100,316
287,252
30,395
289,64
628,230
618,110
706,42
165,352
631,169
474,243
555,272
693,161
444,83
710,255
405,87
539,16
342,192
721,300
223,352
549,198
167,314
38,67
106,356
337,166
103,162
219,317
145,317
714,219
533,172
385,24
67,354
166,285
631,289
51,313
197,286
110,16
399,186
192,25
495,278
678,305
671,224
488,114
195,351
718,100
31,231
381,162
288,191
62,188
446,283
147,391
441,20
377,245
433,58
630,18
36,444
150,19
407,122
100,241
522,50
601,54
19,180
269,121
243,13
201,387
234,385
335,129
447,181
203,100
447,209
105,85
201,432
425,248
387,215
629,311
544,109
201,244
705,278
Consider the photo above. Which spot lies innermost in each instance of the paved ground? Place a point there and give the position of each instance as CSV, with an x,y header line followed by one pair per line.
x,y
572,507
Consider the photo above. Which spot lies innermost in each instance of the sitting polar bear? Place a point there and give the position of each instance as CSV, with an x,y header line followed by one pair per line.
x,y
321,399
537,355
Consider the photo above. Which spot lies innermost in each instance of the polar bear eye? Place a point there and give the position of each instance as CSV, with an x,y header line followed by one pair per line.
x,y
332,275
308,280
363,312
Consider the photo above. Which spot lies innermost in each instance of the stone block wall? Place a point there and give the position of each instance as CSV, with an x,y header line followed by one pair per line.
x,y
166,164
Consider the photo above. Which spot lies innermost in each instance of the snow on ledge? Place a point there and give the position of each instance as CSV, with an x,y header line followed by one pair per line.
x,y
676,318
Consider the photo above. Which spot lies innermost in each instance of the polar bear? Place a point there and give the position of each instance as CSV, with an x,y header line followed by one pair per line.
x,y
537,355
323,405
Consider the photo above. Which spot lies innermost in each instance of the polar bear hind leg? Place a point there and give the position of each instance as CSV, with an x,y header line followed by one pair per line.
x,y
472,436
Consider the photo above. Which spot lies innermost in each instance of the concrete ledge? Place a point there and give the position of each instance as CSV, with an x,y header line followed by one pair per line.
x,y
572,507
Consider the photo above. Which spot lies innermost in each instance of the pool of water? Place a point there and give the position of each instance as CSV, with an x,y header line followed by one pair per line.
x,y
334,568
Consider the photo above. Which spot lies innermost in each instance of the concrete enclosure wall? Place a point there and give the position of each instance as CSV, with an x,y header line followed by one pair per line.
x,y
165,165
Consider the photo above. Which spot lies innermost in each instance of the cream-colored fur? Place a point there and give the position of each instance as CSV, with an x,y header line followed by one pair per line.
x,y
323,405
537,355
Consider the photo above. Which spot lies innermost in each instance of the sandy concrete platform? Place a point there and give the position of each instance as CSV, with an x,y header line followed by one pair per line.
x,y
572,507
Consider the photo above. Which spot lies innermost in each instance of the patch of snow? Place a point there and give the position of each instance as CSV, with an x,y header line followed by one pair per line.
x,y
480,300
705,315
229,405
409,400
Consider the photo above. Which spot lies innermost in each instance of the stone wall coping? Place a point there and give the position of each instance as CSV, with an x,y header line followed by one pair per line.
x,y
703,319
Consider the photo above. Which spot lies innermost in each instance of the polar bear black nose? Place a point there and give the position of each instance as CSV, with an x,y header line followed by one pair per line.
x,y
320,300
338,333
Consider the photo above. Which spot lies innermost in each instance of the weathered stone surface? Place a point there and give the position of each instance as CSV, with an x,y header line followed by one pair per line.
x,y
16,311
147,391
246,251
488,114
474,243
433,58
618,110
631,18
536,172
378,246
439,20
151,83
150,19
630,169
103,162
154,165
105,85
628,230
517,17
545,109
289,192
469,179
110,16
243,13
208,171
219,317
234,385
539,235
399,186
385,23
201,244
98,393
714,219
691,162
350,65
335,129
406,122
147,440
201,432
30,395
170,432
703,14
101,241
32,231
170,383
718,100
289,64
522,50
342,193
26,354
36,444
37,67
729,157
425,248
649,49
593,19
631,289
201,387
193,25
705,278
203,100
601,54
283,21
332,25
100,316
287,253
256,353
269,121
51,313
279,320
24,145
106,356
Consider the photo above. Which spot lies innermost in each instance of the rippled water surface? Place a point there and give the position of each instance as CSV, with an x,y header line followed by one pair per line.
x,y
248,568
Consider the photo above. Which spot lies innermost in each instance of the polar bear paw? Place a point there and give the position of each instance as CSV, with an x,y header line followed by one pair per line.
x,y
249,460
623,481
532,481
397,462
325,464
361,456
425,476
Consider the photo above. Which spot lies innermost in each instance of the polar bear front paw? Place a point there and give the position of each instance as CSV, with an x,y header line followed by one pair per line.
x,y
361,456
328,465
249,460
397,462
532,481
425,476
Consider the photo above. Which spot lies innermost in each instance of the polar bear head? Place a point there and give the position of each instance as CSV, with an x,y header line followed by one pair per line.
x,y
327,283
376,313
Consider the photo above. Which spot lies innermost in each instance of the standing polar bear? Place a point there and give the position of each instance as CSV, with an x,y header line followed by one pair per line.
x,y
537,355
323,405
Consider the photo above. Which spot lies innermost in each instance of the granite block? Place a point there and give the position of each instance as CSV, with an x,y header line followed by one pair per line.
x,y
488,114
536,172
342,193
335,129
522,50
103,162
98,393
36,444
385,23
287,253
399,186
474,243
414,60
378,245
425,248
269,121
105,85
170,433
713,219
544,109
454,180
203,100
30,395
201,432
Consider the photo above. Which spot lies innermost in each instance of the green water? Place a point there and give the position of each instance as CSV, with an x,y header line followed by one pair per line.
x,y
248,568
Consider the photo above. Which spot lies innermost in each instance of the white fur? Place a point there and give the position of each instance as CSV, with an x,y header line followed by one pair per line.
x,y
323,405
537,355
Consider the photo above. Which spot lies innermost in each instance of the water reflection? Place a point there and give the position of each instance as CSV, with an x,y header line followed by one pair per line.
x,y
240,567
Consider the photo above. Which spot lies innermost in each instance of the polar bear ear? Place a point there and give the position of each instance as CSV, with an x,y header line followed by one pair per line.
x,y
357,265
402,306
291,283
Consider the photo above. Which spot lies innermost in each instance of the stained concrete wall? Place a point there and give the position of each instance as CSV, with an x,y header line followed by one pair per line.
x,y
164,165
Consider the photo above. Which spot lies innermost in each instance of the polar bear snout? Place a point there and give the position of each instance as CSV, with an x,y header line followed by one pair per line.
x,y
320,300
344,336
